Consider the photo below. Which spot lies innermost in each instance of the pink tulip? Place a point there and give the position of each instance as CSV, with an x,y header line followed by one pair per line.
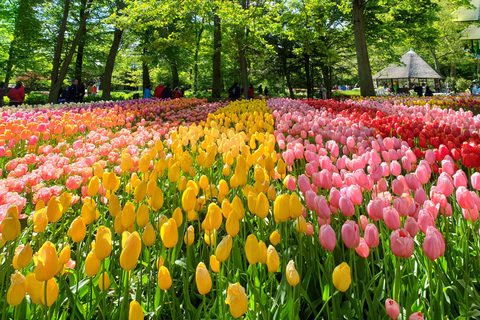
x,y
304,184
397,187
411,156
309,231
327,237
350,234
406,164
464,198
422,174
412,182
393,309
382,185
445,184
471,214
401,243
460,179
447,212
375,209
363,250
355,194
420,196
401,205
416,316
434,244
361,178
346,206
411,226
310,169
391,218
430,156
425,220
395,168
290,183
363,221
448,167
371,235
325,179
334,197
321,207
376,172
438,198
475,180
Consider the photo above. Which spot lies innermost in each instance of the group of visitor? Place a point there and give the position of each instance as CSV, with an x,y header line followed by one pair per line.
x,y
235,92
75,92
16,94
419,90
162,92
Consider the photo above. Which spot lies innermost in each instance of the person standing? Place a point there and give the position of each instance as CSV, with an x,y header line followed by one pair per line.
x,y
147,93
266,91
17,94
176,93
323,92
159,90
72,93
251,92
2,93
260,90
94,91
167,92
234,92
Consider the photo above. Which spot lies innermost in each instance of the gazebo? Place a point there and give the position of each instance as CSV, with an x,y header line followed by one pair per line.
x,y
414,67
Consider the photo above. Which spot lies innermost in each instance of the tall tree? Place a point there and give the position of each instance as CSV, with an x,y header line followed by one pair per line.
x,y
217,58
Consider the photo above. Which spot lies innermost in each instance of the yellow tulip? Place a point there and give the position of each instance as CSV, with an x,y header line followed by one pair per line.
x,y
151,185
164,278
17,290
169,233
262,206
252,249
224,248
144,163
40,220
52,292
214,264
104,281
149,235
157,199
135,311
188,199
177,215
210,237
214,218
160,262
182,183
226,170
143,216
342,277
34,288
97,170
292,275
126,162
223,187
232,225
103,243
93,186
238,207
128,214
252,202
114,205
189,237
131,247
262,252
192,215
237,300
10,227
203,182
203,279
273,262
226,208
92,264
46,262
174,173
110,181
281,208
88,212
296,207
64,254
23,256
78,230
272,193
65,200
161,220
140,192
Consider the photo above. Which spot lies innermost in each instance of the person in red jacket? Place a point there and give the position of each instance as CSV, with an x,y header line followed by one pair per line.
x,y
17,94
159,90
251,92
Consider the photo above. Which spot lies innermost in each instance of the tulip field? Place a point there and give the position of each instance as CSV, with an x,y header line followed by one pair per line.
x,y
278,209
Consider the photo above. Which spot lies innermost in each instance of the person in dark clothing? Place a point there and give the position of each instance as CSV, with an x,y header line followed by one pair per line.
x,y
428,92
72,93
260,90
167,92
418,90
234,92
266,91
17,94
61,96
2,93
80,92
251,92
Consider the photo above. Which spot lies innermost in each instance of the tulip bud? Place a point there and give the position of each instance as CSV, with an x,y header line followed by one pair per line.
x,y
88,212
157,199
232,225
92,264
296,207
143,215
238,207
164,279
93,186
214,264
342,277
189,237
223,249
273,262
251,249
40,221
23,256
140,192
292,275
203,279
10,227
64,255
97,170
131,247
223,187
46,262
104,281
188,199
114,205
103,243
34,288
65,201
262,252
135,311
281,208
237,300
128,215
177,215
126,161
169,233
149,235
262,206
392,308
17,290
275,238
52,292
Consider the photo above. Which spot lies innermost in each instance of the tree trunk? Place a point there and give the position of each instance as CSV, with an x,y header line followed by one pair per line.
x,y
243,67
307,74
326,70
175,80
107,78
435,60
9,64
287,77
195,68
217,58
81,45
453,71
364,70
